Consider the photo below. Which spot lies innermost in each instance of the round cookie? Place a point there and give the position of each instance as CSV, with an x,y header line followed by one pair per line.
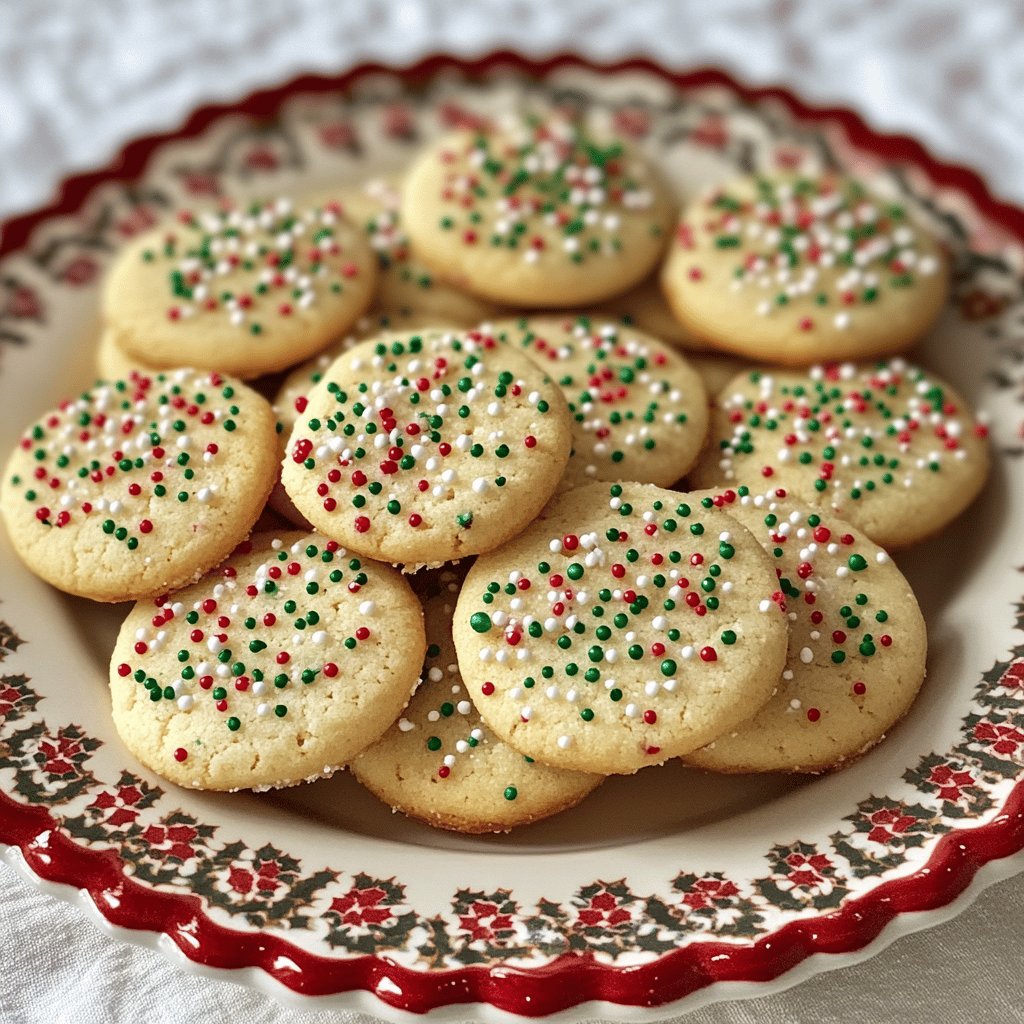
x,y
139,486
277,668
113,364
640,411
405,285
801,270
888,447
537,212
624,627
441,764
856,657
245,291
428,448
644,306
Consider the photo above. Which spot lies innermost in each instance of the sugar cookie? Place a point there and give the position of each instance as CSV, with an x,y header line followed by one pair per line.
x,y
291,397
138,486
277,668
538,212
889,447
427,448
113,364
245,291
803,270
624,627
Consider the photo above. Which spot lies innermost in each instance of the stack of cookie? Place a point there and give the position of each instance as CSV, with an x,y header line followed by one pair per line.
x,y
498,373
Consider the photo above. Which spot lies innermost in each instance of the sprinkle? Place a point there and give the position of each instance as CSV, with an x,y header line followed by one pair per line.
x,y
621,390
784,235
416,415
854,434
509,188
296,273
121,450
230,648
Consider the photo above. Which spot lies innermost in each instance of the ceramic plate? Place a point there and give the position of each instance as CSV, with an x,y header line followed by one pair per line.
x,y
658,885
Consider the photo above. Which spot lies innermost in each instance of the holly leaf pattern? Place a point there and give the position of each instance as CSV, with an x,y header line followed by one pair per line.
x,y
372,915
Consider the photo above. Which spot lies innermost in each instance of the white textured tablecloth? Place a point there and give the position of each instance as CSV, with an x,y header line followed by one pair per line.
x,y
78,80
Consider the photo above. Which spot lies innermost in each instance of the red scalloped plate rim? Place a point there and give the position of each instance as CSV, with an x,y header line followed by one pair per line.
x,y
572,979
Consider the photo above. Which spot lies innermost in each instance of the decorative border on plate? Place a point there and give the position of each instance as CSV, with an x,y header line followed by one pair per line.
x,y
50,767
